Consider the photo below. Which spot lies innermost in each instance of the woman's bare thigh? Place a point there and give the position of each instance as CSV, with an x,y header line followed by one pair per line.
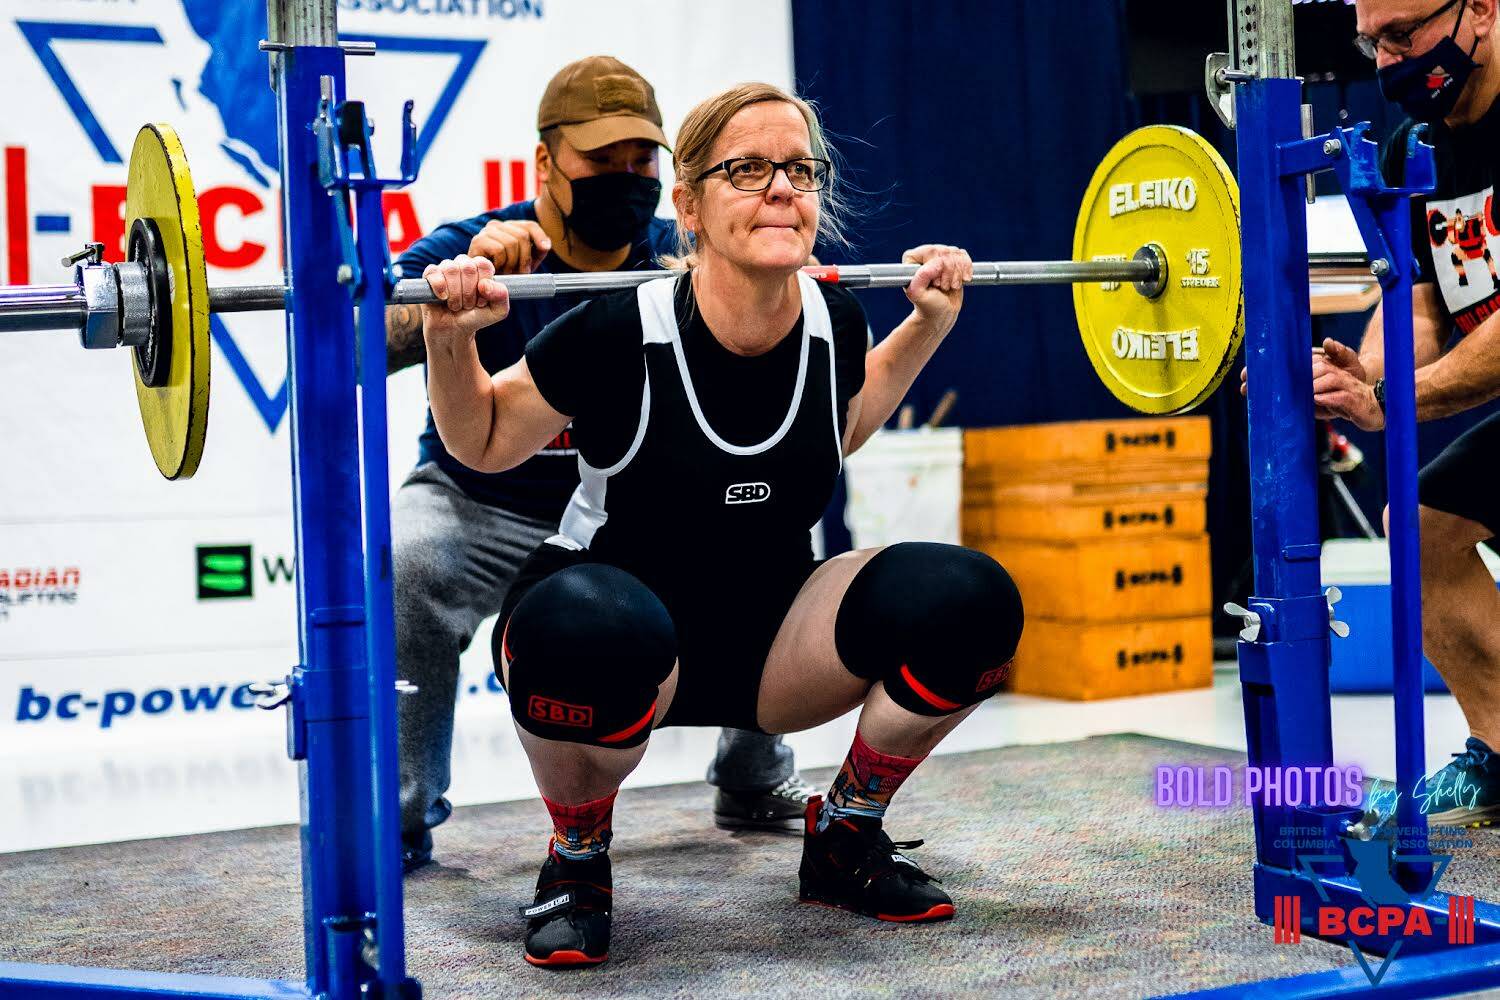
x,y
805,683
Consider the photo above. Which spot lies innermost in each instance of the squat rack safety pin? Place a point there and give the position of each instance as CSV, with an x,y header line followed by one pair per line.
x,y
274,694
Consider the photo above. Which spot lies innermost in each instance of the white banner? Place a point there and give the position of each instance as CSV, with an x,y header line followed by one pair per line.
x,y
135,610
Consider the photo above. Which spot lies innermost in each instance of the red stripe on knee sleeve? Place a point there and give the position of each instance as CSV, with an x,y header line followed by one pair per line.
x,y
939,703
625,734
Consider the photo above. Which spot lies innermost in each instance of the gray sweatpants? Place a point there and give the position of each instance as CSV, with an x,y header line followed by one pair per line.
x,y
454,561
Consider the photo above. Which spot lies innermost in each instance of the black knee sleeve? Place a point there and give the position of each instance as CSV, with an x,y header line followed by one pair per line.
x,y
939,624
588,647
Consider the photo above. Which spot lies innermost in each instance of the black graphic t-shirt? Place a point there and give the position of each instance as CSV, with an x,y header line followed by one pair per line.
x,y
1456,229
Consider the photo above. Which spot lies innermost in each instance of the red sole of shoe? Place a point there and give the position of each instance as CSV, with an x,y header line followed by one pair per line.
x,y
567,959
942,911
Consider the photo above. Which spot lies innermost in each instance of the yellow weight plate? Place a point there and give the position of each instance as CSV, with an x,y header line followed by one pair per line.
x,y
160,188
1167,187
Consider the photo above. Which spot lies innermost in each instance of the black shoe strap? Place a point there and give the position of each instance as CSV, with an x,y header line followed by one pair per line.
x,y
558,904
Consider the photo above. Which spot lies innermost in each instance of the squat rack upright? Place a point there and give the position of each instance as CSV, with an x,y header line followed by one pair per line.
x,y
1284,662
341,695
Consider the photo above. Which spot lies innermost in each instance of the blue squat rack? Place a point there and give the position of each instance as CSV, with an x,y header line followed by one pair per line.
x,y
342,695
1284,653
342,719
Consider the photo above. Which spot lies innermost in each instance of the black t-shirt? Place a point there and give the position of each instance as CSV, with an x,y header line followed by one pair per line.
x,y
540,486
1456,229
589,365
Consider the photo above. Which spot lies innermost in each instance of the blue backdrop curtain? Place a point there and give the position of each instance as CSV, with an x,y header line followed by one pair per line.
x,y
976,124
979,124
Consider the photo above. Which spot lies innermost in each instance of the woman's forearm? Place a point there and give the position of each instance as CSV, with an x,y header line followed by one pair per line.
x,y
891,368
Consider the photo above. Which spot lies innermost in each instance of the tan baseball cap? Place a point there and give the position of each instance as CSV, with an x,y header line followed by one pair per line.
x,y
599,100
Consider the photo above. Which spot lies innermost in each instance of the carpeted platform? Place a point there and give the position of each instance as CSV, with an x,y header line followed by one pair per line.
x,y
1068,880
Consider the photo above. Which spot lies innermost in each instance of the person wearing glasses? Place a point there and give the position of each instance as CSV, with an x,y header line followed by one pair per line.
x,y
460,534
712,412
1439,63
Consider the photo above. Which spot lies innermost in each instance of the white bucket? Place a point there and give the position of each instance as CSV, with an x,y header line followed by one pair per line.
x,y
906,486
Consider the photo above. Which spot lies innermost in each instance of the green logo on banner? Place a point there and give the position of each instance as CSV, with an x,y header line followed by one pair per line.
x,y
224,571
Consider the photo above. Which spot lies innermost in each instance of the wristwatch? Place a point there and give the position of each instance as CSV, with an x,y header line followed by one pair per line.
x,y
1379,388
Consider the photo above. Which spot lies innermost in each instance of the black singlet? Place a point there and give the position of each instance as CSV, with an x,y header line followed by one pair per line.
x,y
702,471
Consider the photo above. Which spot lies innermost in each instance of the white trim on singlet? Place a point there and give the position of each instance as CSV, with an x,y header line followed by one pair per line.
x,y
659,321
585,513
833,387
658,313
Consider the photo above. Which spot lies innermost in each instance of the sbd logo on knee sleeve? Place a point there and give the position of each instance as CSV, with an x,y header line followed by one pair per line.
x,y
990,678
559,713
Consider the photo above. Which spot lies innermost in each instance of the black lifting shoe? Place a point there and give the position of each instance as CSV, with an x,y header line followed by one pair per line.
x,y
416,851
778,810
568,924
854,866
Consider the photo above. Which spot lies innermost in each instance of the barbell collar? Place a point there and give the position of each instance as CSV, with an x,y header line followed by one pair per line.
x,y
101,318
135,304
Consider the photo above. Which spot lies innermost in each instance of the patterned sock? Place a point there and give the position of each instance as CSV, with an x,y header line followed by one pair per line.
x,y
581,831
865,783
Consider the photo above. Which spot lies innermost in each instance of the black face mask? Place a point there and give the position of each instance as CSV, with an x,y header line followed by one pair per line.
x,y
1427,86
611,210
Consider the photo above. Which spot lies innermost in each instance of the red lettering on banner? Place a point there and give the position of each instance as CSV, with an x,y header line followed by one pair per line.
x,y
1417,923
399,209
17,233
517,180
109,220
492,184
1359,921
1330,921
1388,918
210,204
36,577
494,194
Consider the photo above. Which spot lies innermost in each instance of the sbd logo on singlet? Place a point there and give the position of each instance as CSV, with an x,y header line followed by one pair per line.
x,y
559,713
747,493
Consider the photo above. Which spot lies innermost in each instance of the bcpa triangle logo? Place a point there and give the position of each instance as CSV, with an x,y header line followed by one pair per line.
x,y
233,82
1391,914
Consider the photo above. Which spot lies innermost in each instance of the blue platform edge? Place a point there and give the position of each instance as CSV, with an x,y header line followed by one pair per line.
x,y
1457,970
26,981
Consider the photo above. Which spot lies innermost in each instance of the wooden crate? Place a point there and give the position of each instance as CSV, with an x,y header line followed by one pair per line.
x,y
1113,659
1055,450
995,485
1163,512
1162,576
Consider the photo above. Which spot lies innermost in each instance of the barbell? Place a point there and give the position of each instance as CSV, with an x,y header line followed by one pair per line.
x,y
1155,272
